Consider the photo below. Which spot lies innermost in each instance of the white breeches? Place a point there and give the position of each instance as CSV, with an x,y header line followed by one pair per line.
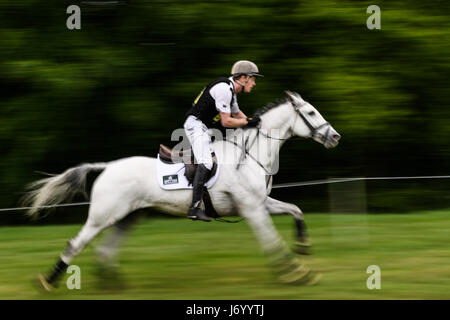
x,y
200,139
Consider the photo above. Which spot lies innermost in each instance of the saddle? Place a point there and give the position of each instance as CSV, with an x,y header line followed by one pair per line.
x,y
168,155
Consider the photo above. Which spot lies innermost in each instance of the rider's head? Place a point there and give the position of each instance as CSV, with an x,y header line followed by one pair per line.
x,y
244,74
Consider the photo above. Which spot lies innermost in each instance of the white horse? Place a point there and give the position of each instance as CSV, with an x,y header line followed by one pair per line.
x,y
242,189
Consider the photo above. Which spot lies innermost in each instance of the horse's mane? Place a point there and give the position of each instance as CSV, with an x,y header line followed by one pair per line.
x,y
270,106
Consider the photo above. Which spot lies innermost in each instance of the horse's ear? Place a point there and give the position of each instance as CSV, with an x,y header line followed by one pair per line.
x,y
294,97
290,96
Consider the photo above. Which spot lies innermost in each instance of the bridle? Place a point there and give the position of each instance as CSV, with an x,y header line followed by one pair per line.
x,y
313,130
313,133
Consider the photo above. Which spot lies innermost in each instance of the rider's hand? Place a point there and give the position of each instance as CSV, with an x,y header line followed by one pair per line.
x,y
253,122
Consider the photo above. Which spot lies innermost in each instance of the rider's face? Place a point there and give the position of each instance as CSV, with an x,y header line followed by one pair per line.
x,y
250,84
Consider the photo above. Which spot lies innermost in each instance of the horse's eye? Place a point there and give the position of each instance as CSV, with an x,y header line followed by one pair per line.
x,y
311,113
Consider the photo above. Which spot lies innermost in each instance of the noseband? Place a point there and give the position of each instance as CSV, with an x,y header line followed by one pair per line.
x,y
313,130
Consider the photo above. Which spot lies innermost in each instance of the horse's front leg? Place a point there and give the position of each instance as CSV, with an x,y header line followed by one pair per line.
x,y
302,244
286,265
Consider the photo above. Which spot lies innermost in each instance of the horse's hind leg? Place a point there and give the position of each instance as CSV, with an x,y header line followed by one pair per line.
x,y
302,244
99,219
74,247
106,251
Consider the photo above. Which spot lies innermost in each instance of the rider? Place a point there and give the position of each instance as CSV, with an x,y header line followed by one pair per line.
x,y
216,107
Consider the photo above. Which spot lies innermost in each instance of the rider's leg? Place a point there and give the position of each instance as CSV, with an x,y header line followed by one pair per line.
x,y
199,138
195,211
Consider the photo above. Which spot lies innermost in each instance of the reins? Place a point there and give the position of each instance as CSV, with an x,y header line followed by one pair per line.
x,y
228,221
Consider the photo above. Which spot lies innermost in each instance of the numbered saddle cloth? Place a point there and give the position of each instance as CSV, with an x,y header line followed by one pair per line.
x,y
171,176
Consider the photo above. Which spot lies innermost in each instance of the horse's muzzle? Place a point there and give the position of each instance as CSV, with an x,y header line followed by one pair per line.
x,y
332,140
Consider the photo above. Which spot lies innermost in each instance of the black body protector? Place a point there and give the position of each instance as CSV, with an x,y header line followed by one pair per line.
x,y
204,106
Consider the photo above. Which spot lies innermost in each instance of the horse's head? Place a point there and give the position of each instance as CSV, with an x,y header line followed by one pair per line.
x,y
309,123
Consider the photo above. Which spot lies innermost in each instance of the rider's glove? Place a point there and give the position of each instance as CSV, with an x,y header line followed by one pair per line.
x,y
253,122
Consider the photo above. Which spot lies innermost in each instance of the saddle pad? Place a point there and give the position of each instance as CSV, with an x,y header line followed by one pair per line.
x,y
171,176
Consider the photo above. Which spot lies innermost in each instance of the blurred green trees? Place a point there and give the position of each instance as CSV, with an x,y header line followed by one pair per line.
x,y
119,86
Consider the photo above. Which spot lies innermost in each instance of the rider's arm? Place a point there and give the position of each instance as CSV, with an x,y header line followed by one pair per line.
x,y
228,122
222,96
239,115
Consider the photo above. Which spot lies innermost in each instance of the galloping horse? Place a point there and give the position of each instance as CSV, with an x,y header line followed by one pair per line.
x,y
242,189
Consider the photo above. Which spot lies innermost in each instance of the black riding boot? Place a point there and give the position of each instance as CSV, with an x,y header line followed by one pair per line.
x,y
195,212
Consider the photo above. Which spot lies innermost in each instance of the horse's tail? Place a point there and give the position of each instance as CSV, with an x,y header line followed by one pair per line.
x,y
58,188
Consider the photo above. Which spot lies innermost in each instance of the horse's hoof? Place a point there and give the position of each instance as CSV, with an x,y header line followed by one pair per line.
x,y
295,276
43,284
312,279
301,247
308,278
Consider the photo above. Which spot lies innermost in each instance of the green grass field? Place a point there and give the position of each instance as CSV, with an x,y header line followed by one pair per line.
x,y
180,259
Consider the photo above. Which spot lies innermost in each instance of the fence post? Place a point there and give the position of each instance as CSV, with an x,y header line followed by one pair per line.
x,y
348,198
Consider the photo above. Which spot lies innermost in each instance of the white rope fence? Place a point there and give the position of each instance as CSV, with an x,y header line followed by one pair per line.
x,y
338,180
277,186
46,207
